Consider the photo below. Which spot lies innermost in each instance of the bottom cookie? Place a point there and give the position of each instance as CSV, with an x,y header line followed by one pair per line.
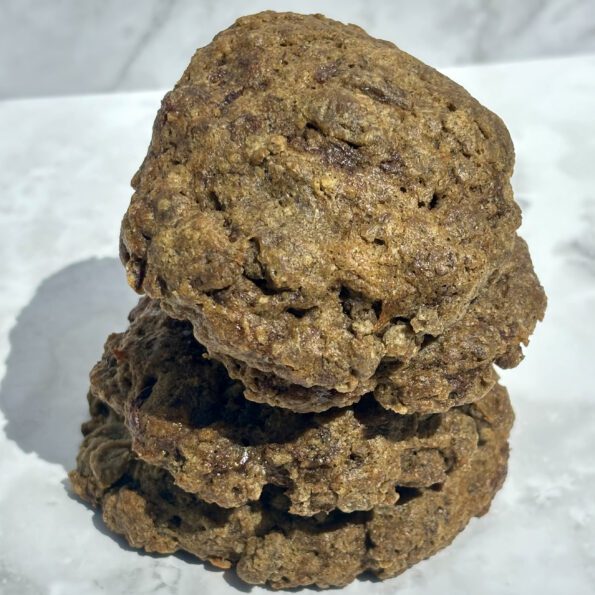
x,y
264,542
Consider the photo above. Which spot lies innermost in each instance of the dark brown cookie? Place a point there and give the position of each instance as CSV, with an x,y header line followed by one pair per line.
x,y
308,189
266,543
186,415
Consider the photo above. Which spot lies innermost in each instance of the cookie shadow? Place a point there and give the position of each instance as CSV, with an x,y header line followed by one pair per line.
x,y
56,340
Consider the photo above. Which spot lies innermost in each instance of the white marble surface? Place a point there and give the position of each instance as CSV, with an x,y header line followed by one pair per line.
x,y
69,46
64,171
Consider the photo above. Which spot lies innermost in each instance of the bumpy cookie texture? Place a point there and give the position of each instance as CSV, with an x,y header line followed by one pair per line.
x,y
186,415
457,367
307,190
426,374
266,543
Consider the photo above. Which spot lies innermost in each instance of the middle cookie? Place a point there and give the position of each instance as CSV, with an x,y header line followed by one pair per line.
x,y
186,415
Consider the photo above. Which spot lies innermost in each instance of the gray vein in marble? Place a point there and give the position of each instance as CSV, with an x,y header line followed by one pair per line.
x,y
523,201
580,251
157,22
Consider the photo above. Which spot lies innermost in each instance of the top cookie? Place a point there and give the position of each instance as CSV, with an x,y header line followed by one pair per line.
x,y
306,187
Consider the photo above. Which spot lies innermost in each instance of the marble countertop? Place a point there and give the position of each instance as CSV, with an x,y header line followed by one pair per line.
x,y
64,175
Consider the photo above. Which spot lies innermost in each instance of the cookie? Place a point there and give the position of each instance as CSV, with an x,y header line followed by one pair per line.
x,y
266,543
309,190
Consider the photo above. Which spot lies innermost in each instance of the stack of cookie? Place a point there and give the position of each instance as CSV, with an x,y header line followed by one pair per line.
x,y
326,234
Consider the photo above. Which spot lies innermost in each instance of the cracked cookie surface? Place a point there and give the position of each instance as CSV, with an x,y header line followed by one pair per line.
x,y
307,189
266,543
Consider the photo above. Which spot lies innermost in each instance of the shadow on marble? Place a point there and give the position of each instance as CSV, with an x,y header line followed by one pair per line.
x,y
56,340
